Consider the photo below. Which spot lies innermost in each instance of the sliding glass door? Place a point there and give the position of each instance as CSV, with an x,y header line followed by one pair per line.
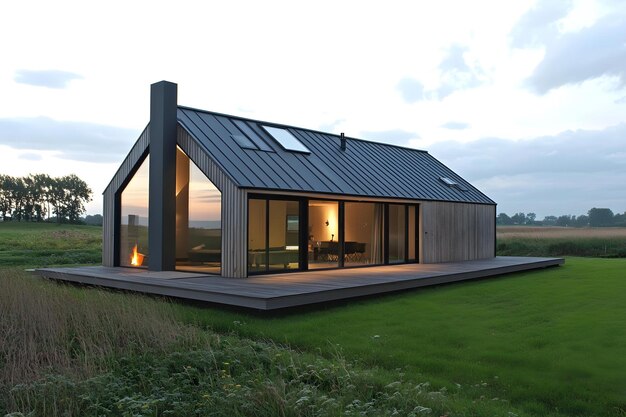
x,y
300,234
273,235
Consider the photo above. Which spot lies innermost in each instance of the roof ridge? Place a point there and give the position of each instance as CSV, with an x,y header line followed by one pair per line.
x,y
300,128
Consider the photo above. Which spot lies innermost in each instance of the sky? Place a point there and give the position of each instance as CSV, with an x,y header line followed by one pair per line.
x,y
525,99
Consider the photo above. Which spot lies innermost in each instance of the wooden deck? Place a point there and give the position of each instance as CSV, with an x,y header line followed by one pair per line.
x,y
269,292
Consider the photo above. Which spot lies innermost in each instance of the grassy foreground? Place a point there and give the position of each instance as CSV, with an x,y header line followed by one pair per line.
x,y
67,351
550,343
543,343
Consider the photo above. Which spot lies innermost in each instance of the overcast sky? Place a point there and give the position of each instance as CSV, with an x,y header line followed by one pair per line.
x,y
525,99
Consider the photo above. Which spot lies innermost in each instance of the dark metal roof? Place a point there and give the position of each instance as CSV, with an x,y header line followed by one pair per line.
x,y
367,169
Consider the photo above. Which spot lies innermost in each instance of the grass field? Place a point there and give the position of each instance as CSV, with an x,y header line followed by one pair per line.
x,y
550,342
543,343
43,244
605,242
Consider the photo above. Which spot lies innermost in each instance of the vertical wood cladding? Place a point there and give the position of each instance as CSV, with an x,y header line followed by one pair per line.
x,y
234,207
112,192
457,231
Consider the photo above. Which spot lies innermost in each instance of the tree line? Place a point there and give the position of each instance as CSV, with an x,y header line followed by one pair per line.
x,y
39,197
596,217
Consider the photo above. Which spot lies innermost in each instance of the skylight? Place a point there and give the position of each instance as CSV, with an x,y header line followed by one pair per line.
x,y
252,136
244,142
453,184
286,139
448,181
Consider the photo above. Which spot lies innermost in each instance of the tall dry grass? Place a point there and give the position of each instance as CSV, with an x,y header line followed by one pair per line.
x,y
48,327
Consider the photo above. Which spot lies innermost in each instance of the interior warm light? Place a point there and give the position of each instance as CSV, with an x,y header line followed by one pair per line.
x,y
291,247
136,258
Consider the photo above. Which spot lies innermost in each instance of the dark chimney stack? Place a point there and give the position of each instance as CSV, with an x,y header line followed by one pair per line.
x,y
162,197
343,142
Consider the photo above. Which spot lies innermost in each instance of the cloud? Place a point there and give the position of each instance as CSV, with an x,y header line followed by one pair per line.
x,y
46,78
454,74
330,127
566,173
72,140
596,51
30,156
394,137
539,25
411,90
455,125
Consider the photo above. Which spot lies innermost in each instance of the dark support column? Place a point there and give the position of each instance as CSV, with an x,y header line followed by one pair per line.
x,y
162,211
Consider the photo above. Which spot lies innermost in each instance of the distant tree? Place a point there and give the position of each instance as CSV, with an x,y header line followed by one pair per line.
x,y
549,220
95,220
519,218
530,218
77,194
582,221
600,217
503,219
565,220
6,199
620,220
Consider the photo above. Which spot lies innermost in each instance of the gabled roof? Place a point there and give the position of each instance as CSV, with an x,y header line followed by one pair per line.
x,y
364,168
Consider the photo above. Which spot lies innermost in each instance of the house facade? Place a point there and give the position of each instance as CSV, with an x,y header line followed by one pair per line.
x,y
206,192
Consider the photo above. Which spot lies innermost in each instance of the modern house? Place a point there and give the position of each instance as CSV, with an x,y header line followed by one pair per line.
x,y
207,192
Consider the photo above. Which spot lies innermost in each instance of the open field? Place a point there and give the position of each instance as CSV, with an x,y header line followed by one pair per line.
x,y
42,244
605,242
543,343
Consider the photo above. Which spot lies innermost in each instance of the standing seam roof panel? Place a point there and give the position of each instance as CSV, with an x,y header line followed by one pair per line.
x,y
197,133
345,169
366,169
322,153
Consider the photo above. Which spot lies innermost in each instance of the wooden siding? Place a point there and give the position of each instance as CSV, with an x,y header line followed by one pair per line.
x,y
234,207
116,186
452,232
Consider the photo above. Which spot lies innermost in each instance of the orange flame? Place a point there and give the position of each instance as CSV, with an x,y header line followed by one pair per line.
x,y
136,258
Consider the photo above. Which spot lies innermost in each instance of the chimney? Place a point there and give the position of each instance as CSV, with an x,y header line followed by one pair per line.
x,y
162,193
343,142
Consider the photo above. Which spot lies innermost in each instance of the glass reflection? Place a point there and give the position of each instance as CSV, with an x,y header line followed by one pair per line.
x,y
397,233
198,219
323,234
134,219
363,234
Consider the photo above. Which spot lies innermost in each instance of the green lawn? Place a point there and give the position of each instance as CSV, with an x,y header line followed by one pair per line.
x,y
551,342
43,244
542,343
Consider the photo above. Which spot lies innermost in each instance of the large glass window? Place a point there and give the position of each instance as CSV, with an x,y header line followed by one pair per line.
x,y
284,230
257,234
273,235
134,219
412,220
363,234
323,250
198,219
397,233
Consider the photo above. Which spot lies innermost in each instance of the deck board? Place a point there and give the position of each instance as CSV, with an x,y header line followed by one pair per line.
x,y
269,292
